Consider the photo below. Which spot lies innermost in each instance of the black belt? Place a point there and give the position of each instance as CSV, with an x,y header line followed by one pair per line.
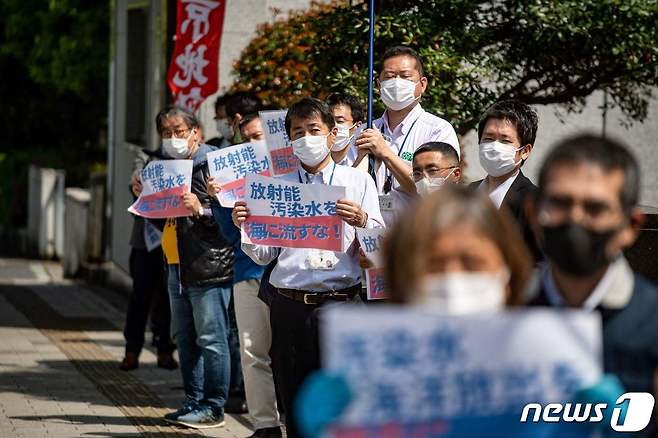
x,y
314,298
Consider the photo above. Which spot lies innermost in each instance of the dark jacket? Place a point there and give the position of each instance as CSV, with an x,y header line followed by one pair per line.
x,y
630,338
206,258
520,190
244,268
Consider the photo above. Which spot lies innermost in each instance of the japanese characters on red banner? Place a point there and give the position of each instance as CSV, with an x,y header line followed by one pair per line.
x,y
282,158
292,215
370,240
163,183
194,67
229,166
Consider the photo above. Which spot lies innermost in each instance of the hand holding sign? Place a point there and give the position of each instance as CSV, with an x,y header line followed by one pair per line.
x,y
191,202
163,184
240,213
213,187
351,212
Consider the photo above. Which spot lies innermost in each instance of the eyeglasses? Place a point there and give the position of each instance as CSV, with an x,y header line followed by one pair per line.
x,y
432,172
177,133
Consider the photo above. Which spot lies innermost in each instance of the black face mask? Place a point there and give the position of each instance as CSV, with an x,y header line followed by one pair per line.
x,y
575,249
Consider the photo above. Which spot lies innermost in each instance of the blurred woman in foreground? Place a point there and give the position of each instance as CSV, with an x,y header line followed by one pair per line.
x,y
455,250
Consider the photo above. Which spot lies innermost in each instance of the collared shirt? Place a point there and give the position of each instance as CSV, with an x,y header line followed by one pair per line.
x,y
498,194
426,127
614,290
292,270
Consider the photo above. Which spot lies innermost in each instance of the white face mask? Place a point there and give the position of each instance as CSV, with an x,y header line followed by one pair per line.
x,y
177,148
311,149
224,128
463,293
343,137
398,93
497,158
427,185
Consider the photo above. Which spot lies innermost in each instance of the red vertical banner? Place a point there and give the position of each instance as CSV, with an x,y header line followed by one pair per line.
x,y
193,70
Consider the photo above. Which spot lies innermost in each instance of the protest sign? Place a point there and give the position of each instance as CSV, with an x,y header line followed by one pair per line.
x,y
416,373
278,144
291,215
370,240
152,236
229,166
163,183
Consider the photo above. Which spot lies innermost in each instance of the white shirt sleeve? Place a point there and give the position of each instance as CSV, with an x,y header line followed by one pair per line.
x,y
446,134
260,254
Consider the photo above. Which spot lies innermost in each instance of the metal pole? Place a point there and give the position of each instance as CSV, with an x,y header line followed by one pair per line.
x,y
371,51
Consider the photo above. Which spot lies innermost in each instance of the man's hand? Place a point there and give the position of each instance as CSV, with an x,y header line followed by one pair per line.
x,y
213,187
136,183
372,141
240,213
191,202
351,213
364,261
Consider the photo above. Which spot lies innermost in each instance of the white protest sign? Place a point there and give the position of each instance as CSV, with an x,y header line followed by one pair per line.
x,y
152,236
229,166
291,215
371,240
282,158
411,370
163,183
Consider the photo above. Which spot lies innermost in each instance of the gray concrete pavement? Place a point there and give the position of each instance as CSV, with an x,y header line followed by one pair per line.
x,y
60,346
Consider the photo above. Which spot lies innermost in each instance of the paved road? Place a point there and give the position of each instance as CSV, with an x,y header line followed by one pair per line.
x,y
60,346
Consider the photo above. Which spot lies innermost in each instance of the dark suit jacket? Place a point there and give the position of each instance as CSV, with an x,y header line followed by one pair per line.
x,y
514,200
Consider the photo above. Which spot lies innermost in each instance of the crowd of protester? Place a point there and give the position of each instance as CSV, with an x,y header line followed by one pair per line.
x,y
242,311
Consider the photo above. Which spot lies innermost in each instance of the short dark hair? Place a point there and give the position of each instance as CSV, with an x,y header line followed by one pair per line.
x,y
350,100
248,118
521,115
404,51
242,102
221,100
445,149
174,111
307,108
601,152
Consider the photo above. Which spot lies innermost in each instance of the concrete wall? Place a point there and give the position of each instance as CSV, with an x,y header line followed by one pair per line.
x,y
640,137
240,22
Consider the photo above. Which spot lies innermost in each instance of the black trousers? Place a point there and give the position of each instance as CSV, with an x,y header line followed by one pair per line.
x,y
295,351
149,295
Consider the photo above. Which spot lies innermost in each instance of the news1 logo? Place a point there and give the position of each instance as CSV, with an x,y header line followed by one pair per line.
x,y
638,412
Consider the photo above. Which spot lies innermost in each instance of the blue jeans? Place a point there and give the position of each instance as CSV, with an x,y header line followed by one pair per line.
x,y
200,327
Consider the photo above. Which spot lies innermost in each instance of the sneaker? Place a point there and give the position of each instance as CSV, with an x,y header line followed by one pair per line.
x,y
201,418
188,407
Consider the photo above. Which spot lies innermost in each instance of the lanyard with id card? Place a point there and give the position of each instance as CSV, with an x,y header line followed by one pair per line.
x,y
388,183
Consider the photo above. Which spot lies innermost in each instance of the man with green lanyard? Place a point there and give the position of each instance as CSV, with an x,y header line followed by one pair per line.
x,y
403,127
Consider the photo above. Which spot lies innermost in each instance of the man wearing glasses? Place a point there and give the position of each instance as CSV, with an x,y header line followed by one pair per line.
x,y
199,278
435,164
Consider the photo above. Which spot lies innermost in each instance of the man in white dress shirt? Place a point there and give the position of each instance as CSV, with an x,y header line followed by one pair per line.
x,y
303,285
402,129
349,115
